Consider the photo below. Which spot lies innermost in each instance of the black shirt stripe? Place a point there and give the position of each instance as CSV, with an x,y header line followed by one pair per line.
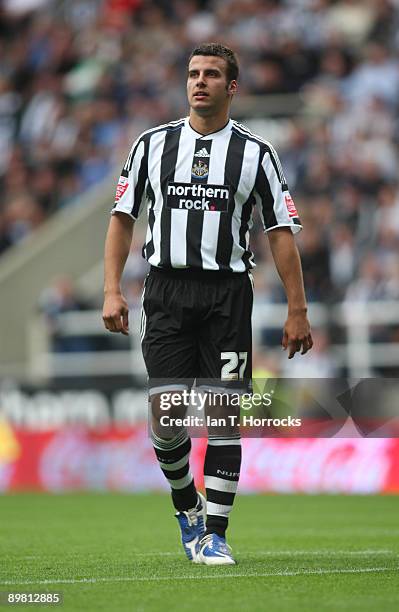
x,y
141,181
263,189
232,174
149,248
195,219
168,165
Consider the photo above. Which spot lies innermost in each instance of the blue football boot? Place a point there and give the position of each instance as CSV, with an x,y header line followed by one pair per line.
x,y
215,551
192,527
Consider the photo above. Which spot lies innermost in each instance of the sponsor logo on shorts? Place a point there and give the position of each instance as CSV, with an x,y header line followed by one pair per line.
x,y
289,202
121,187
197,196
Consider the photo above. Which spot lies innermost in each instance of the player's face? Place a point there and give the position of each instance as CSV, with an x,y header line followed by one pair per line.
x,y
208,89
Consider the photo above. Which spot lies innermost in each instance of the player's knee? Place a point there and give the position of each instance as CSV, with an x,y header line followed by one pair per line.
x,y
165,414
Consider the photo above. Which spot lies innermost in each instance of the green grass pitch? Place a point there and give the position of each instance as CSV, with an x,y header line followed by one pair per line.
x,y
121,552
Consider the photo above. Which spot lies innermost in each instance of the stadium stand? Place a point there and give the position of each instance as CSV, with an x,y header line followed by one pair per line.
x,y
80,78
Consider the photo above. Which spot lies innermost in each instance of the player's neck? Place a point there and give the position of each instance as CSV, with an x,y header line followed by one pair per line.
x,y
208,125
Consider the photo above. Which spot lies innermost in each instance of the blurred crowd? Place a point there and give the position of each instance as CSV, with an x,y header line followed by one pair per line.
x,y
80,78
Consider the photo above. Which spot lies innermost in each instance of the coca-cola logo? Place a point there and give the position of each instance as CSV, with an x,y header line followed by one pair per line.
x,y
315,465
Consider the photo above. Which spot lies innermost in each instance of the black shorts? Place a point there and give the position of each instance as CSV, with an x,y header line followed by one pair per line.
x,y
197,325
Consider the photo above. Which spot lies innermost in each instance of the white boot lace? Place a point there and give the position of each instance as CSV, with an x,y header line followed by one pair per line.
x,y
206,541
192,517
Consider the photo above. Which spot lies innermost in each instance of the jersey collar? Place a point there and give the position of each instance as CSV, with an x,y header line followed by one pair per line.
x,y
222,132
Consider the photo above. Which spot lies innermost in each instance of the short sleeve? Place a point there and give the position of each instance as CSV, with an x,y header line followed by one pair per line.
x,y
131,188
273,199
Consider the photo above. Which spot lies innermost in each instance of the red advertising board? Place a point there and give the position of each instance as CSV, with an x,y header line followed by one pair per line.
x,y
80,458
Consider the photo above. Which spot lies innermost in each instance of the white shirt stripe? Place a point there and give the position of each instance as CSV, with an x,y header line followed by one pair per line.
x,y
178,245
210,230
247,180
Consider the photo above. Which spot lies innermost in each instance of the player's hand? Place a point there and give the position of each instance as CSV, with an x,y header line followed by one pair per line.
x,y
297,336
116,313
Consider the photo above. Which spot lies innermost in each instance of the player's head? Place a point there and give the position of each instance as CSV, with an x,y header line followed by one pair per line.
x,y
212,78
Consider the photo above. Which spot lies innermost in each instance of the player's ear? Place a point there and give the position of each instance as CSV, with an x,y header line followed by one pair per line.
x,y
232,87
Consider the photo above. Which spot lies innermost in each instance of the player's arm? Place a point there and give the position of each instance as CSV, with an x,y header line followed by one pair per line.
x,y
297,335
129,201
117,247
281,221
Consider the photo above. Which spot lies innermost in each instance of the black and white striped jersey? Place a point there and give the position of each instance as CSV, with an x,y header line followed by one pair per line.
x,y
199,192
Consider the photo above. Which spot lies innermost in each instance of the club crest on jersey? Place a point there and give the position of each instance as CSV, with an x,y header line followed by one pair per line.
x,y
199,170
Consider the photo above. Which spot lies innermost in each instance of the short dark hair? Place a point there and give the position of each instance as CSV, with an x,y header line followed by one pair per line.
x,y
225,53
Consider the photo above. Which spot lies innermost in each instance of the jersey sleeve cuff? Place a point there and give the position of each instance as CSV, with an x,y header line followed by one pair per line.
x,y
125,212
295,227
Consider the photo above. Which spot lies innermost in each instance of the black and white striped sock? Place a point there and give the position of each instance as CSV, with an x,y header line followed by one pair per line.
x,y
173,457
221,475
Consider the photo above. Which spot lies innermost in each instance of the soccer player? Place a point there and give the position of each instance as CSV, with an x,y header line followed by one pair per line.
x,y
199,178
